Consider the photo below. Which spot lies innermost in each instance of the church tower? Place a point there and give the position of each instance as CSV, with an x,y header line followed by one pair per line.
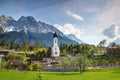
x,y
55,48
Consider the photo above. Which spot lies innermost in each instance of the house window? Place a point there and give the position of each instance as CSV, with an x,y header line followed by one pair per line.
x,y
55,52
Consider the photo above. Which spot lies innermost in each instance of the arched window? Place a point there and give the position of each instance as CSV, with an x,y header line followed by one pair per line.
x,y
55,52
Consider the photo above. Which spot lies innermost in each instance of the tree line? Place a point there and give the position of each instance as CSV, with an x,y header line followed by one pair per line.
x,y
81,55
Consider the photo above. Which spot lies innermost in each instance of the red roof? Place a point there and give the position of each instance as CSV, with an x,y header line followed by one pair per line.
x,y
15,62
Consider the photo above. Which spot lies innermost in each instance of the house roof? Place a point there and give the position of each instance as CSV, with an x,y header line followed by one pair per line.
x,y
15,62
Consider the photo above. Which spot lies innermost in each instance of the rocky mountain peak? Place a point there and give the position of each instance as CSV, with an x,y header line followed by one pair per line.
x,y
27,19
28,23
6,21
3,17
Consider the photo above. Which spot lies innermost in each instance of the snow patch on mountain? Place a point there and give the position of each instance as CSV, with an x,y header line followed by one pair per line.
x,y
10,28
25,29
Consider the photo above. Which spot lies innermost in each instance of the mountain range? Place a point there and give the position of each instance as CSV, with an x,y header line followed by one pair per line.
x,y
73,37
28,29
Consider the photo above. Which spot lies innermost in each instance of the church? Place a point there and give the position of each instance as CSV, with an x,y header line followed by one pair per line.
x,y
55,48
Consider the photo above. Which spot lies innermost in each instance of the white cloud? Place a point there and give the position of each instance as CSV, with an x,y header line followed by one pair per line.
x,y
110,13
112,33
69,29
75,16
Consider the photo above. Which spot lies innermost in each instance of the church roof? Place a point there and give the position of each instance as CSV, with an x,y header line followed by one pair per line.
x,y
55,35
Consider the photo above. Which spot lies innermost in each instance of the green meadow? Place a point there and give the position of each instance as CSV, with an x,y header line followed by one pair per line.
x,y
93,74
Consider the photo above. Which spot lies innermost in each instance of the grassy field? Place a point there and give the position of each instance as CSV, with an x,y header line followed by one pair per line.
x,y
94,74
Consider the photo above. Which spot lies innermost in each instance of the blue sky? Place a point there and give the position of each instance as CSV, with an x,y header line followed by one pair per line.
x,y
84,18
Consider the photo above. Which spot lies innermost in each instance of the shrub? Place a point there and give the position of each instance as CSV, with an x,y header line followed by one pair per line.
x,y
36,66
29,68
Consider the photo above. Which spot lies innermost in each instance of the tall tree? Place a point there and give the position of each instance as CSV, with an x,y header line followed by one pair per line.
x,y
25,46
36,47
82,62
102,43
64,62
112,44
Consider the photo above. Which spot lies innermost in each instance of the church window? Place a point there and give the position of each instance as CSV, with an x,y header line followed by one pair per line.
x,y
55,52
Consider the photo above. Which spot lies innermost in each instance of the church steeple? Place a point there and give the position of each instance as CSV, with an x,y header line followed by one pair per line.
x,y
55,35
55,48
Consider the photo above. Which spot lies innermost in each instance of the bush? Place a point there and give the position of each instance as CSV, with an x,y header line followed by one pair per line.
x,y
4,65
36,66
29,68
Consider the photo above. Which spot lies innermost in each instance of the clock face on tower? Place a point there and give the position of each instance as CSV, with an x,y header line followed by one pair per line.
x,y
55,52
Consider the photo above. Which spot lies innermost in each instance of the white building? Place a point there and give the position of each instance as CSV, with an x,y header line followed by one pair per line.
x,y
55,48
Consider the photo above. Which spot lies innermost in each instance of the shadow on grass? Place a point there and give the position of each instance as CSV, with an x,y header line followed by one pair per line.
x,y
68,73
116,72
60,73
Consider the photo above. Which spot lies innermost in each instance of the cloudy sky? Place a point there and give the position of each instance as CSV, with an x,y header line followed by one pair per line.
x,y
85,18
